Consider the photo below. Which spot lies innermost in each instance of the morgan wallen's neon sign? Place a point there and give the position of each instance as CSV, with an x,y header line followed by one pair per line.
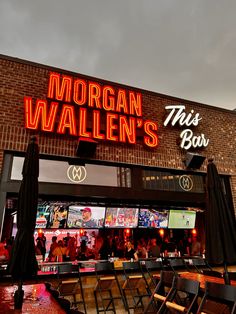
x,y
87,109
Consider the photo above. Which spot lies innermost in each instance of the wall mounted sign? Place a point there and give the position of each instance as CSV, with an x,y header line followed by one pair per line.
x,y
177,115
76,174
186,183
88,109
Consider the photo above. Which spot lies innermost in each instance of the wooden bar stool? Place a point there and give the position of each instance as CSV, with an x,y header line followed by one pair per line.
x,y
134,278
103,294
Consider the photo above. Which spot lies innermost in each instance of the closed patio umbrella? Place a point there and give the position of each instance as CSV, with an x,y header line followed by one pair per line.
x,y
23,264
220,222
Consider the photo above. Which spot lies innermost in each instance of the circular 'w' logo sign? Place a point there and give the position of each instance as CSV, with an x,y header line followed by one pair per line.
x,y
76,174
186,183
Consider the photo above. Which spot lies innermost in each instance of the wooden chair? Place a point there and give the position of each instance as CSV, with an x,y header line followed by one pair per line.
x,y
199,264
166,283
106,278
177,264
153,269
182,297
134,278
71,288
218,298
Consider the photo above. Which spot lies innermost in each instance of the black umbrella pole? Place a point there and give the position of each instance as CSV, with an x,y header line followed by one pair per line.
x,y
226,274
19,296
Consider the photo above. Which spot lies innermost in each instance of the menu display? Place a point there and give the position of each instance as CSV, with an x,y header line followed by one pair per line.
x,y
182,219
151,218
51,215
85,217
121,217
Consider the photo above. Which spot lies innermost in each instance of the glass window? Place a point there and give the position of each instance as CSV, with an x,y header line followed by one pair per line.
x,y
168,181
56,171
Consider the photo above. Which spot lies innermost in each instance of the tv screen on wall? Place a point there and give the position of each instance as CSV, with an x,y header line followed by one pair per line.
x,y
121,217
85,216
51,215
152,218
89,235
181,219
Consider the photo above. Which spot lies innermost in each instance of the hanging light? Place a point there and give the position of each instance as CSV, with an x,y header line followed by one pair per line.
x,y
161,232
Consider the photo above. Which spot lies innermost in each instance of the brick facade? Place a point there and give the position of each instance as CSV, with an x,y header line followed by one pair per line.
x,y
20,78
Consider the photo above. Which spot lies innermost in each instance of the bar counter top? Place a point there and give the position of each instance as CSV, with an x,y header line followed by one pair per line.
x,y
37,300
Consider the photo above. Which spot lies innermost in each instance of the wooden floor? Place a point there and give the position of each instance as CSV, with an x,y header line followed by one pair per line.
x,y
89,283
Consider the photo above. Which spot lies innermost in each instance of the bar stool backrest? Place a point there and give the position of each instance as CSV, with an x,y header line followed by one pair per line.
x,y
220,293
131,266
188,286
153,265
200,264
104,267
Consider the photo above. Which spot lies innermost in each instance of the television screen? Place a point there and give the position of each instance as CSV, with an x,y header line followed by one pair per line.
x,y
90,235
85,217
121,217
152,218
51,215
182,219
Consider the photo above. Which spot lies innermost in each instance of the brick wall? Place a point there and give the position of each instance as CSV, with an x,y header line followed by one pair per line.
x,y
21,78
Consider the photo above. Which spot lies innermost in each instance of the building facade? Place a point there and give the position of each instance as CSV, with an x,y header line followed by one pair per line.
x,y
80,119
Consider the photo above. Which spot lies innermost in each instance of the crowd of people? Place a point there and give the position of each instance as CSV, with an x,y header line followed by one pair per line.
x,y
72,248
85,247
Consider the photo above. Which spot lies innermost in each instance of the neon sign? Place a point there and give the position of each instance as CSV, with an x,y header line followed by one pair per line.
x,y
87,109
188,139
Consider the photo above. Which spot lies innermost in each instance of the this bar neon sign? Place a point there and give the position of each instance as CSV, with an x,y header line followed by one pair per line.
x,y
87,109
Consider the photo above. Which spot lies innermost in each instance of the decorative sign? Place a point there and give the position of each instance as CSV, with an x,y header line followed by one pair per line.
x,y
188,139
88,109
76,174
186,183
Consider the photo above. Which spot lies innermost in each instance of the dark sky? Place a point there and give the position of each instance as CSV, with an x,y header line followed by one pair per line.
x,y
183,48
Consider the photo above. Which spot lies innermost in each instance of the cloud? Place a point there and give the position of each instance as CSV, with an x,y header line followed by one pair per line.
x,y
177,47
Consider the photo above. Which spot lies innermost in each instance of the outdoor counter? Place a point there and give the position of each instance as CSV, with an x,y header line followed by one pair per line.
x,y
37,300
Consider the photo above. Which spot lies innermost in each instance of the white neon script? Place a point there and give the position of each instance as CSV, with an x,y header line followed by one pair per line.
x,y
188,139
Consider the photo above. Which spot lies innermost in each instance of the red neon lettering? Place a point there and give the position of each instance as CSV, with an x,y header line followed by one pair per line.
x,y
135,104
96,125
83,123
152,139
121,102
40,112
67,120
127,129
80,88
94,95
55,91
108,98
111,127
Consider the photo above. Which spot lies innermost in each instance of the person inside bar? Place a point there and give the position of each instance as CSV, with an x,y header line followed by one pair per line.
x,y
72,248
60,252
196,247
129,251
168,247
105,250
84,253
154,249
41,244
53,245
141,251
